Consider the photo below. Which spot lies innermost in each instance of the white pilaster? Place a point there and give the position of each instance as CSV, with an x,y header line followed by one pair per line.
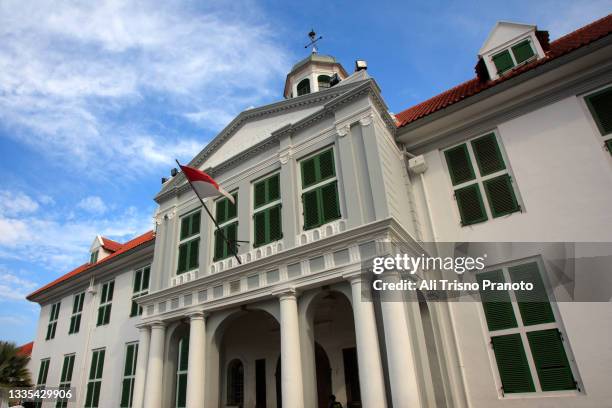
x,y
291,362
144,339
371,380
196,361
402,369
155,367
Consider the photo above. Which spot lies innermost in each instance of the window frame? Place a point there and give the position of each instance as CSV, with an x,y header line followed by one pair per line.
x,y
318,186
105,304
181,372
53,319
130,377
300,82
602,136
136,310
224,226
510,50
188,240
98,374
78,302
66,378
266,208
481,180
522,330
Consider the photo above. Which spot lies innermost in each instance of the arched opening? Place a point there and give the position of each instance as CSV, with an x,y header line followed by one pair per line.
x,y
181,371
330,317
324,82
303,87
235,383
175,368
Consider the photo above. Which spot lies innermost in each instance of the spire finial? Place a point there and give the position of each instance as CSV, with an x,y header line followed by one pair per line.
x,y
313,41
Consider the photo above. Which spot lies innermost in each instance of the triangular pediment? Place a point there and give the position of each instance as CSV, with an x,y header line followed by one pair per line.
x,y
503,33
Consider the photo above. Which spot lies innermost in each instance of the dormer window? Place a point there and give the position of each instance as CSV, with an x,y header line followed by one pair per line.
x,y
303,87
94,257
513,56
324,82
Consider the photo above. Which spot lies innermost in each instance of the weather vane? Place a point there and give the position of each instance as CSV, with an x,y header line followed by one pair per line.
x,y
313,40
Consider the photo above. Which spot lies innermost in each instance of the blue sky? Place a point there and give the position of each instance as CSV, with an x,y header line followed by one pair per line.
x,y
98,98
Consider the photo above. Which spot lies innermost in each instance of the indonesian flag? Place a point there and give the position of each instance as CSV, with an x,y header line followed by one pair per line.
x,y
204,185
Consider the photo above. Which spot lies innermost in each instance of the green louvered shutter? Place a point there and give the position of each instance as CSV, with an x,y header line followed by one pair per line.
x,y
522,51
219,245
275,226
534,304
194,251
329,202
125,392
232,236
503,61
273,188
259,224
488,155
550,360
232,208
600,105
471,207
512,364
326,165
182,258
496,304
501,196
221,210
259,194
311,209
459,164
184,227
309,176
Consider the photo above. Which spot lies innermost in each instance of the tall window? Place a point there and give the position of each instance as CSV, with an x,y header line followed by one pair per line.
x,y
53,316
93,258
600,105
106,302
267,225
319,190
94,385
324,82
129,374
189,243
303,87
227,218
77,310
515,55
41,381
65,378
235,383
141,288
181,372
490,176
527,343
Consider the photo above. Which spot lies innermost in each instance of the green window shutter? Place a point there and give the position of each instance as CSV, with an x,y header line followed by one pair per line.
x,y
75,304
459,164
100,364
273,188
89,397
501,196
534,304
554,371
182,258
145,279
275,227
219,244
471,207
232,208
232,235
326,165
125,392
107,314
129,359
522,51
72,325
100,319
311,209
183,363
137,280
600,105
195,223
194,251
181,392
488,155
259,226
329,202
503,61
496,304
221,211
309,176
134,309
512,364
184,227
259,194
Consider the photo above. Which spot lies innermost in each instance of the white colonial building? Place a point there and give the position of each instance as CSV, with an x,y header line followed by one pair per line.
x,y
518,160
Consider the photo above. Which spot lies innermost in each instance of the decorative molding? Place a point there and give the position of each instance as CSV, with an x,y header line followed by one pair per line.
x,y
286,292
343,130
367,121
285,155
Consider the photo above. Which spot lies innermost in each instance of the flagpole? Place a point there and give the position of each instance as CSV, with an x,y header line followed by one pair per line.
x,y
212,218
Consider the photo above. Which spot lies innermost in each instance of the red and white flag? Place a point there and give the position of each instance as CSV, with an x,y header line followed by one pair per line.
x,y
204,185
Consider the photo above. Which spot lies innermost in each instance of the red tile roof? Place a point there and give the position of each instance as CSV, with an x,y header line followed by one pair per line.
x,y
564,45
123,248
26,349
110,245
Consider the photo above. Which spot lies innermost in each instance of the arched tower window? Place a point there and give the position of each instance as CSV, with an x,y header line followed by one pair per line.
x,y
323,81
303,87
181,372
235,383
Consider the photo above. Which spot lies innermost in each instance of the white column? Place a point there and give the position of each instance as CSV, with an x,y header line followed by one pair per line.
x,y
402,370
291,362
142,361
196,363
155,368
371,380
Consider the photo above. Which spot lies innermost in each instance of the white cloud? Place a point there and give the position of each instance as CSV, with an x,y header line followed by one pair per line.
x,y
13,287
71,73
12,203
92,204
